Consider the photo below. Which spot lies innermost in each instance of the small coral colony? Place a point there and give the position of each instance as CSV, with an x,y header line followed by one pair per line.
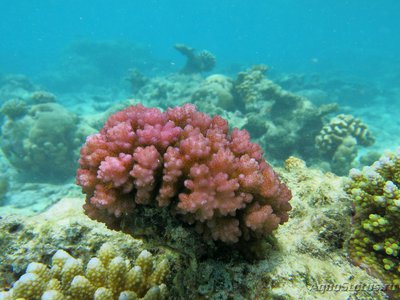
x,y
186,160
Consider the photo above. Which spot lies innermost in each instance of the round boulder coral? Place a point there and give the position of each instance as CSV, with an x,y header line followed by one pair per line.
x,y
42,142
188,162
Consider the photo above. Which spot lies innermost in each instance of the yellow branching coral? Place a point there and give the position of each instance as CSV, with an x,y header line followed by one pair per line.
x,y
107,276
375,239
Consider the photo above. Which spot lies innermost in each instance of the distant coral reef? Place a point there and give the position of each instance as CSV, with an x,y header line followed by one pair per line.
x,y
15,86
202,61
282,122
285,123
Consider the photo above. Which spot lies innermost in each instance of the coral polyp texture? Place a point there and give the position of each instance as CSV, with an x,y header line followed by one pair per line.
x,y
107,276
187,162
375,241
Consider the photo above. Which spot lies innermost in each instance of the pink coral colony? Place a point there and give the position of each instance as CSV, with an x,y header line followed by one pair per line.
x,y
187,161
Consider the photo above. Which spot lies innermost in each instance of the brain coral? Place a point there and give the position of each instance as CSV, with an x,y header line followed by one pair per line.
x,y
187,161
339,140
339,128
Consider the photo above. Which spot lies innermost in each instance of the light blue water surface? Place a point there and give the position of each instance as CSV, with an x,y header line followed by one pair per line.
x,y
360,37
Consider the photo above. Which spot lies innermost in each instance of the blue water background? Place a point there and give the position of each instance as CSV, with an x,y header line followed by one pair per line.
x,y
353,37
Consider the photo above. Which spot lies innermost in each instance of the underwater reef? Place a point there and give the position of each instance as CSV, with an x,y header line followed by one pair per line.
x,y
199,211
281,122
289,264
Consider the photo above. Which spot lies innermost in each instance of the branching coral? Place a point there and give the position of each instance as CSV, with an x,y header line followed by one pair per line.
x,y
339,139
107,277
188,162
375,240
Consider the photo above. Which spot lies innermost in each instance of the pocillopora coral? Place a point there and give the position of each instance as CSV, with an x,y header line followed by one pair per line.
x,y
375,241
107,276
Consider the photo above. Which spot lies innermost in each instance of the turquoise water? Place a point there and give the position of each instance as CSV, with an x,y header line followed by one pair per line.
x,y
359,37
